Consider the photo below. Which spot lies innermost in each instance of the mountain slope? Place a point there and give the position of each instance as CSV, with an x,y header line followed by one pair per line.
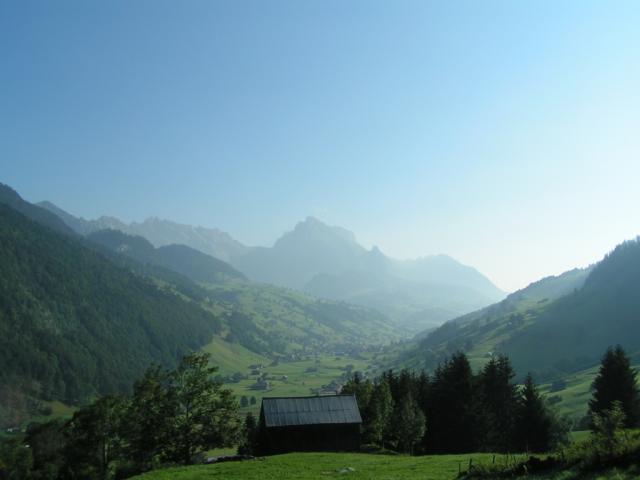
x,y
79,317
310,248
554,327
480,333
573,332
266,319
10,197
187,261
327,262
72,324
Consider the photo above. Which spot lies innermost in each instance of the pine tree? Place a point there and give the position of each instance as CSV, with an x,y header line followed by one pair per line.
x,y
497,400
451,420
616,381
362,389
250,438
534,425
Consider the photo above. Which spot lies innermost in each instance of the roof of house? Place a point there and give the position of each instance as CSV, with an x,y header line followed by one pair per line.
x,y
324,410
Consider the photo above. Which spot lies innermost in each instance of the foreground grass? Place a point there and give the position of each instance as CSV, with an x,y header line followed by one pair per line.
x,y
611,474
328,465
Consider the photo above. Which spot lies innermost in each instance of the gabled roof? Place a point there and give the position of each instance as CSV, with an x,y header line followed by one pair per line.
x,y
324,410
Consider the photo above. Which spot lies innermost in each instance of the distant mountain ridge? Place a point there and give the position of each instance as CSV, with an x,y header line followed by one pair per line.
x,y
184,260
159,232
328,262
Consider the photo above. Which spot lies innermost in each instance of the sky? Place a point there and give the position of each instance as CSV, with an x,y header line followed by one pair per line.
x,y
503,133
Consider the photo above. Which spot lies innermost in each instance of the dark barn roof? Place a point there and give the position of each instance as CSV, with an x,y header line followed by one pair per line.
x,y
325,410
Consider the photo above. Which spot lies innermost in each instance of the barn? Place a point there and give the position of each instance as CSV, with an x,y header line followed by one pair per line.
x,y
299,424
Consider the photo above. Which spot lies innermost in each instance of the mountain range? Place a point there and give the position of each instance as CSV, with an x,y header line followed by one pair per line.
x,y
160,233
81,316
85,309
327,262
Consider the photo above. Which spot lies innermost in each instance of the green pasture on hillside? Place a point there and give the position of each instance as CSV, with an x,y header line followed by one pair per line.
x,y
574,399
297,378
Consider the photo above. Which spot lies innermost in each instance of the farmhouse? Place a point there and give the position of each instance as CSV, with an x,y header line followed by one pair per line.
x,y
296,424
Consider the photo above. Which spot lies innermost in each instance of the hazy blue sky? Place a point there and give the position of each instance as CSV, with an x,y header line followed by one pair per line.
x,y
506,134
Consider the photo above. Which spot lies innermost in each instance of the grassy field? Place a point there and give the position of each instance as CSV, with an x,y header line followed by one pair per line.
x,y
298,378
287,378
232,357
302,466
574,399
610,474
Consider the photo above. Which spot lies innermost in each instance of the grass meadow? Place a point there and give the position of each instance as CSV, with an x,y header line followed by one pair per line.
x,y
304,466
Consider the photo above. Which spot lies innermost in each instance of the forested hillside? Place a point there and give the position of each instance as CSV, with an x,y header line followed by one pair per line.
x,y
275,321
265,319
555,326
570,333
73,324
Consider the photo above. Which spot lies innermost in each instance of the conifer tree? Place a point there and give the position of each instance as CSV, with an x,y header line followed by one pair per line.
x,y
250,438
497,400
451,419
616,381
534,422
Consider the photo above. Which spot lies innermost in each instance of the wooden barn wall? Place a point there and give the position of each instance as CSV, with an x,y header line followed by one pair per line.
x,y
313,438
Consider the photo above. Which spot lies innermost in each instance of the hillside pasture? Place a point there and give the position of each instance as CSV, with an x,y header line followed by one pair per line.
x,y
298,378
357,466
574,397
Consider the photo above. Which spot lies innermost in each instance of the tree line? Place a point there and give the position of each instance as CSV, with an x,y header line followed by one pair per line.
x,y
176,416
172,417
456,411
